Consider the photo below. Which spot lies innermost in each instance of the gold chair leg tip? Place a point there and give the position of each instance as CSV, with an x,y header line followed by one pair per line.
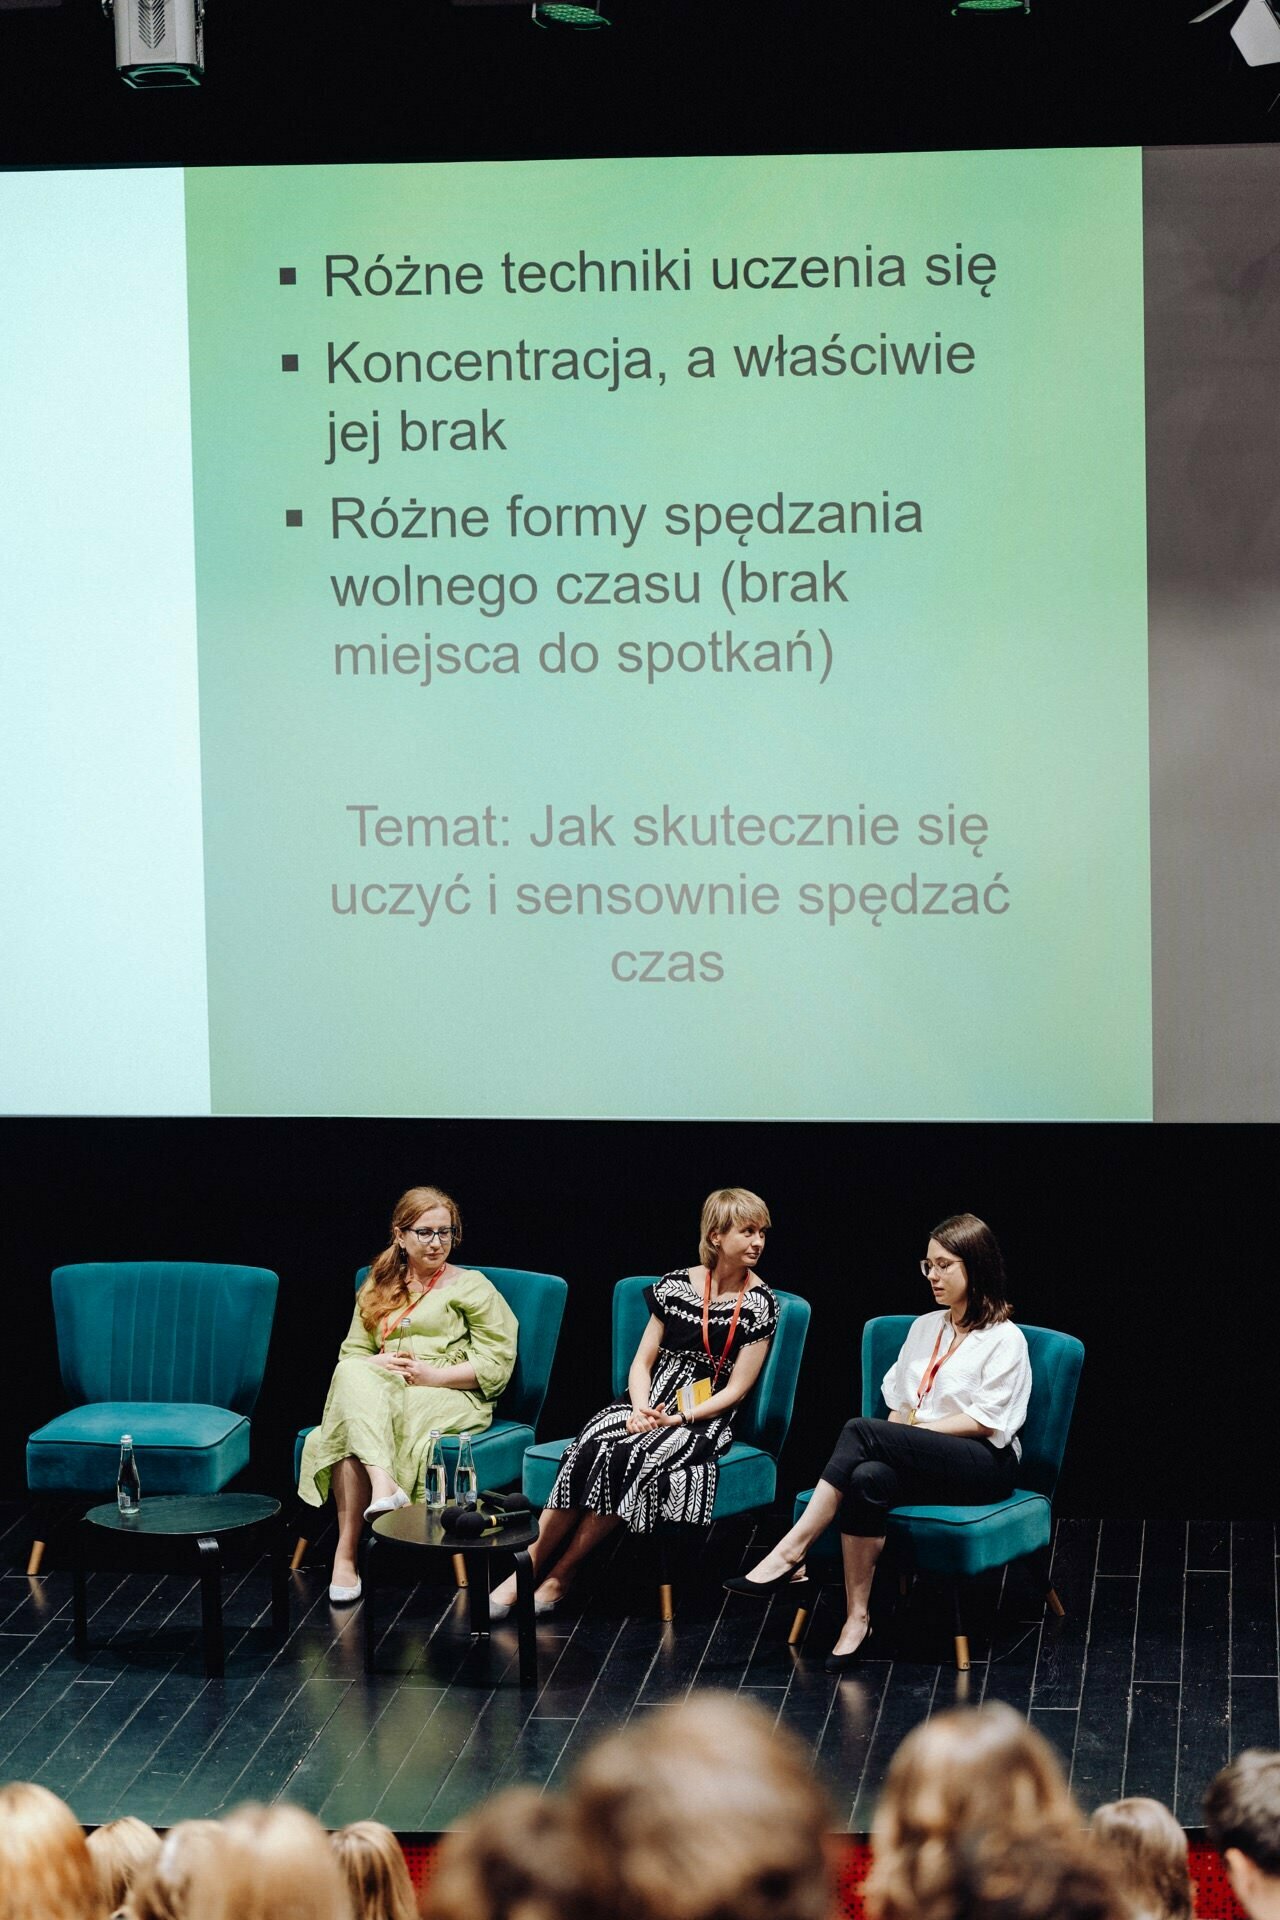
x,y
35,1557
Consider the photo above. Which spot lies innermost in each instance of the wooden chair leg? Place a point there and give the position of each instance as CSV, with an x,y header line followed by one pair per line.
x,y
460,1569
35,1557
798,1626
961,1638
1055,1605
298,1553
666,1595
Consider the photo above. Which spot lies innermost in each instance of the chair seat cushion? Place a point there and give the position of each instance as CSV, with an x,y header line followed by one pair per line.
x,y
968,1540
498,1452
181,1447
747,1477
958,1540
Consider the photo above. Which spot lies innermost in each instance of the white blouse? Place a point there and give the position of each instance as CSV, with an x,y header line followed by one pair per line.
x,y
987,1378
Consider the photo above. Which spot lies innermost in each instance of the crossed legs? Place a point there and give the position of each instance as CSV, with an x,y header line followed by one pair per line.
x,y
354,1487
566,1535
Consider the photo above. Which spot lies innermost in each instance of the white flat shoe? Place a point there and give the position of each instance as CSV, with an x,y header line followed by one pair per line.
x,y
499,1609
544,1607
398,1499
343,1596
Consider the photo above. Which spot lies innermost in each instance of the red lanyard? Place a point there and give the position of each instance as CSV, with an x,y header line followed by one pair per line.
x,y
389,1325
716,1365
935,1365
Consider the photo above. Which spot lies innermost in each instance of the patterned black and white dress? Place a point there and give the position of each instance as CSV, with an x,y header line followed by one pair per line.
x,y
670,1473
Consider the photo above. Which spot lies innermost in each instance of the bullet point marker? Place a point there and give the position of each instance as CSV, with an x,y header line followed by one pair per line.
x,y
288,276
288,363
293,516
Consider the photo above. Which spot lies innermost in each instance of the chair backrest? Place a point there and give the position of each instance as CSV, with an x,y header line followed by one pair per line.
x,y
1056,1360
181,1330
765,1417
537,1301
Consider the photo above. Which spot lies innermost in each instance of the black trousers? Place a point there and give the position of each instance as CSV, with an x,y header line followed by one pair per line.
x,y
878,1465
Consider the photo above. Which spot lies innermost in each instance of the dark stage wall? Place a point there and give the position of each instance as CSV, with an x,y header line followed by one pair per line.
x,y
1143,1241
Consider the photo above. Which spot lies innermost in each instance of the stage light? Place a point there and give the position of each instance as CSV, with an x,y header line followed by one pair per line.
x,y
159,43
991,6
562,13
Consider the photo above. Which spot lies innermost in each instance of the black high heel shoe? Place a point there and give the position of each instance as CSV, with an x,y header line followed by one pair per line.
x,y
845,1662
792,1577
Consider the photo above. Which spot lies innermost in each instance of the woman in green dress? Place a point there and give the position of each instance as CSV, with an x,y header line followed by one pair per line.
x,y
431,1346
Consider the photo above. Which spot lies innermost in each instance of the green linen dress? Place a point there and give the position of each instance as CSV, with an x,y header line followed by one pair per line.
x,y
386,1423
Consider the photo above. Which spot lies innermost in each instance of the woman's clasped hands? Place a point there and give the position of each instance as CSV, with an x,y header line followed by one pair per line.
x,y
649,1419
414,1373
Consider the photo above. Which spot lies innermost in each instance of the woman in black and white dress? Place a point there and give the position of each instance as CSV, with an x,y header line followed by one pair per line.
x,y
957,1395
652,1455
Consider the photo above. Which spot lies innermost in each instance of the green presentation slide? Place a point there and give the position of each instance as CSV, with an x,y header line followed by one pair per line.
x,y
672,637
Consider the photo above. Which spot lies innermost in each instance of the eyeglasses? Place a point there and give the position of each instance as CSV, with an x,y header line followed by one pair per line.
x,y
442,1234
943,1267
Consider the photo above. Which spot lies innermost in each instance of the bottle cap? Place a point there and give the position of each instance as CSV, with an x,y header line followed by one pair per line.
x,y
126,1439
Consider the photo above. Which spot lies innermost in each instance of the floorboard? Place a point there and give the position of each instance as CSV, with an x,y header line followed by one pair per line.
x,y
1168,1660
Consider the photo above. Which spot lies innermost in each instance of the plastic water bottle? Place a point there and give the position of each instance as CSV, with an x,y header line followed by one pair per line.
x,y
128,1485
434,1475
464,1474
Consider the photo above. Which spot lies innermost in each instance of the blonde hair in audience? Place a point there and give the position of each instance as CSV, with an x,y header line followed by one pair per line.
x,y
1146,1851
185,1876
279,1866
46,1872
121,1851
518,1856
377,1878
966,1776
703,1811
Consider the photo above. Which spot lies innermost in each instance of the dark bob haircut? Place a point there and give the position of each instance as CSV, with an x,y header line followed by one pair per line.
x,y
972,1241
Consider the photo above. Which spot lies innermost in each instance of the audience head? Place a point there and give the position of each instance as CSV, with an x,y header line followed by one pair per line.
x,y
1242,1821
280,1865
962,1777
1146,1852
46,1872
972,1241
185,1877
377,1878
703,1811
728,1207
121,1851
518,1856
1057,1876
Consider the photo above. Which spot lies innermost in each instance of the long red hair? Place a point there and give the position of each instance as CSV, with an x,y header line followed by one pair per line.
x,y
386,1285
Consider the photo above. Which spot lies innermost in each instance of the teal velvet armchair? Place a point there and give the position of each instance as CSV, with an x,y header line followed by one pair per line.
x,y
958,1542
170,1351
748,1471
537,1300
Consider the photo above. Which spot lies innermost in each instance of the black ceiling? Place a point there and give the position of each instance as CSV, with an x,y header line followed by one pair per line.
x,y
311,80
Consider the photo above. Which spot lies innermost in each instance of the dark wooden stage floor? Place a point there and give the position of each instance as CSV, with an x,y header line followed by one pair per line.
x,y
1165,1664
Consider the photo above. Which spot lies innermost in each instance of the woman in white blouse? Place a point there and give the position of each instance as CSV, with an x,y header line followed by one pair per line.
x,y
957,1395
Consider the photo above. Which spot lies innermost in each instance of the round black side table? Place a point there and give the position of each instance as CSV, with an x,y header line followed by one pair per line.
x,y
201,1519
415,1527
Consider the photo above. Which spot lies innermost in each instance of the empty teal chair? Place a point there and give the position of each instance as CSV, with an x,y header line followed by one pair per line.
x,y
747,1475
958,1542
537,1300
170,1351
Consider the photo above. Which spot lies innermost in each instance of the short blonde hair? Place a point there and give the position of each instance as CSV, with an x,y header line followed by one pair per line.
x,y
279,1865
974,1774
1146,1851
373,1866
46,1872
185,1875
729,1207
518,1856
705,1809
121,1852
